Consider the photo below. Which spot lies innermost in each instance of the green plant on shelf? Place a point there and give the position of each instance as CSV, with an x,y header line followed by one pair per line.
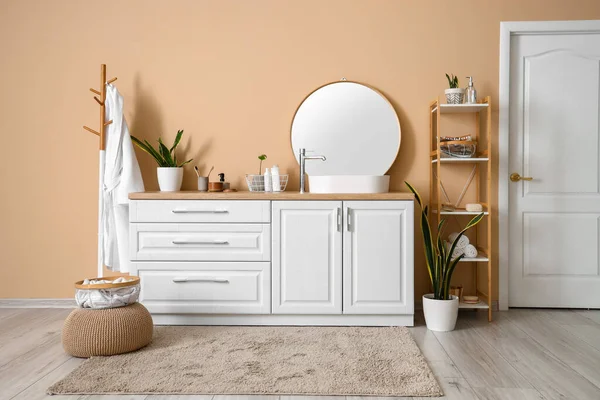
x,y
262,158
452,81
165,157
438,258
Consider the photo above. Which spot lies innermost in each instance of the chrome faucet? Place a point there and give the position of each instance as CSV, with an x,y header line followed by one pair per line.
x,y
303,158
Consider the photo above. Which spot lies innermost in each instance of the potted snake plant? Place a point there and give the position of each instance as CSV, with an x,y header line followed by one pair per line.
x,y
454,94
169,171
440,307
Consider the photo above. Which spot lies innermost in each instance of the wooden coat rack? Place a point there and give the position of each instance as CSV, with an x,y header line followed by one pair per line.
x,y
101,100
102,136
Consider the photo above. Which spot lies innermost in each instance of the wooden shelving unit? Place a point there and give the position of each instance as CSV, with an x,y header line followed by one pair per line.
x,y
483,179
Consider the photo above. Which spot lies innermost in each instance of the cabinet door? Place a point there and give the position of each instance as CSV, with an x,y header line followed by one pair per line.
x,y
378,257
307,257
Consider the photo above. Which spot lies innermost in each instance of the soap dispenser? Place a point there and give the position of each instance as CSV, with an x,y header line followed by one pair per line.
x,y
470,92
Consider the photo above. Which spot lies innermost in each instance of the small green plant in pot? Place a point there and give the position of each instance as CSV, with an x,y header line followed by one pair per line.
x,y
169,171
454,94
439,307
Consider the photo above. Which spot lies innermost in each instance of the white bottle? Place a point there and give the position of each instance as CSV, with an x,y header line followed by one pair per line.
x,y
275,178
268,184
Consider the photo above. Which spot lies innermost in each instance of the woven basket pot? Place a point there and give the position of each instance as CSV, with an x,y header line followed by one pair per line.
x,y
107,332
455,96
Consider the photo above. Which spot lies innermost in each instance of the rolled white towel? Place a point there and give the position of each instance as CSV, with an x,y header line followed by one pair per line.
x,y
457,252
470,251
474,207
462,242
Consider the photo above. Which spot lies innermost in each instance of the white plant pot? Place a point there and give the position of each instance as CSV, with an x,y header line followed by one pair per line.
x,y
455,96
169,178
440,315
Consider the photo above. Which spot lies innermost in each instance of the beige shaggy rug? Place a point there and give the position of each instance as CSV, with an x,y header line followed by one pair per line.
x,y
262,360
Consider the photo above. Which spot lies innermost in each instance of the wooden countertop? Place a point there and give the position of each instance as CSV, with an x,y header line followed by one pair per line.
x,y
195,195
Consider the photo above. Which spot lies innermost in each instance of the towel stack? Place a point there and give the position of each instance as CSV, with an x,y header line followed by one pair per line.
x,y
462,246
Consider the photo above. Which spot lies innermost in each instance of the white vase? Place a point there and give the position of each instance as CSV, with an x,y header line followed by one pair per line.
x,y
440,315
169,178
455,96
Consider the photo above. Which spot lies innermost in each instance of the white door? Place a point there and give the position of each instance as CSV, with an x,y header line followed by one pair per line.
x,y
378,257
554,139
307,257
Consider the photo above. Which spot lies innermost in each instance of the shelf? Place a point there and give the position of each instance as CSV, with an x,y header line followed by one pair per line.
x,y
459,108
480,305
460,211
481,257
461,160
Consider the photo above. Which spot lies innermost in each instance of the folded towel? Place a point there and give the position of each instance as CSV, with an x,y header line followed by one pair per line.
x,y
462,242
457,252
474,207
470,251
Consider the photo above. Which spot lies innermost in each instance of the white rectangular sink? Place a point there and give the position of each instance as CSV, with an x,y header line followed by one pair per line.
x,y
349,184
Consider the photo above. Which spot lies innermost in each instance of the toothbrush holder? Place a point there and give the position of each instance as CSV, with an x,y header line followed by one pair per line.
x,y
203,183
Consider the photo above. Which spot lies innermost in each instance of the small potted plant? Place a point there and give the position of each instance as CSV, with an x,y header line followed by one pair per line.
x,y
256,183
440,307
169,171
455,94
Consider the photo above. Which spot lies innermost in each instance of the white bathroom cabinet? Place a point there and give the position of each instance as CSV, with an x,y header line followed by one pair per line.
x,y
378,257
307,257
274,259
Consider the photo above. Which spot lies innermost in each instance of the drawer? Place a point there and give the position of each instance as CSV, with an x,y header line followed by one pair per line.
x,y
244,211
217,288
200,242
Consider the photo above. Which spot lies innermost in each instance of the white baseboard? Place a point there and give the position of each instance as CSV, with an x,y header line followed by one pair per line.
x,y
70,303
38,303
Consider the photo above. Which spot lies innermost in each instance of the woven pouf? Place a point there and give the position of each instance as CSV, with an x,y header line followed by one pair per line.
x,y
107,332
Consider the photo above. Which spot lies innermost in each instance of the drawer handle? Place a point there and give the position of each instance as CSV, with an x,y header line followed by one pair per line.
x,y
219,242
207,279
186,211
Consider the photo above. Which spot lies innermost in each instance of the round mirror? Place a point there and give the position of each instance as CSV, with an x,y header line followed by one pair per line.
x,y
353,126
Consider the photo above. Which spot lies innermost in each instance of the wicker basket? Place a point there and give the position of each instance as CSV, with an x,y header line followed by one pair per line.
x,y
458,148
107,295
256,183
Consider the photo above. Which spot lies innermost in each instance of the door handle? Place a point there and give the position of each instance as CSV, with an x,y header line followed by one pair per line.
x,y
348,219
515,177
338,216
186,211
200,241
207,279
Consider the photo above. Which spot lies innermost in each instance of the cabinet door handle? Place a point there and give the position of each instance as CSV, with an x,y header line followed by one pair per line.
x,y
206,279
220,242
186,211
349,219
338,215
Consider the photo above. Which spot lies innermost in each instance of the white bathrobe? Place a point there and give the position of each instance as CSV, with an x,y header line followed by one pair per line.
x,y
121,176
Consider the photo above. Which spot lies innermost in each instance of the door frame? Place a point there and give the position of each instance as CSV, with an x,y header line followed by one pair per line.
x,y
507,31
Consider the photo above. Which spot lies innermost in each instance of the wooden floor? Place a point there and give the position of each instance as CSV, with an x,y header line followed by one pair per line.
x,y
522,355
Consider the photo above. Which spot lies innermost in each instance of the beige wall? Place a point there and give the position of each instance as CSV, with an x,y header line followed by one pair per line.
x,y
231,73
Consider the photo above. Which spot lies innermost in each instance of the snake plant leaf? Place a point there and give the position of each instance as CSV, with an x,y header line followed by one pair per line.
x,y
141,145
446,287
426,231
148,149
159,159
413,190
185,162
176,142
164,151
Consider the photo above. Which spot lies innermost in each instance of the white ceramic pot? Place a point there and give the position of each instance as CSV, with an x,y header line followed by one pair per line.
x,y
440,315
169,178
455,96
